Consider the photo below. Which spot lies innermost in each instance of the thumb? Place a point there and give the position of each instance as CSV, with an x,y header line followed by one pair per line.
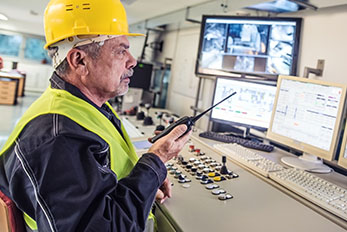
x,y
178,131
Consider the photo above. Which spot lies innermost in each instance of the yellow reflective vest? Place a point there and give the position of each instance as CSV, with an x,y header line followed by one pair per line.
x,y
56,101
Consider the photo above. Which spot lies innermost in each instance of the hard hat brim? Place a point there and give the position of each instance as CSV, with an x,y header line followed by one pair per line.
x,y
126,34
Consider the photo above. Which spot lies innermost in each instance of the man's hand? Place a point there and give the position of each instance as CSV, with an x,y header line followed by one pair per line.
x,y
170,145
164,191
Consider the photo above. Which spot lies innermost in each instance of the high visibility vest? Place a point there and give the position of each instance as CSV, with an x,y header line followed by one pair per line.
x,y
55,101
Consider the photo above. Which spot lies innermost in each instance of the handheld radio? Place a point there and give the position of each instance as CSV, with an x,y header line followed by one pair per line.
x,y
189,121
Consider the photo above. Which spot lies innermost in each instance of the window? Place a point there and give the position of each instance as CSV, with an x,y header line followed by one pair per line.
x,y
34,50
10,44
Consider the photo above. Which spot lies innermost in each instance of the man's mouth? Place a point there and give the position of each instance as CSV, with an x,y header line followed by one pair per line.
x,y
127,75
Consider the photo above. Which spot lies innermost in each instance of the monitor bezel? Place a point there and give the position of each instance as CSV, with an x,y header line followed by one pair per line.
x,y
307,148
342,161
269,83
237,74
149,79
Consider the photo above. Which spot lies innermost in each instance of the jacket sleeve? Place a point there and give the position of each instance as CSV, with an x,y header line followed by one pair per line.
x,y
63,187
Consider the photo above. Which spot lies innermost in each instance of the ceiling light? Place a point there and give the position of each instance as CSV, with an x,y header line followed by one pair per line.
x,y
3,17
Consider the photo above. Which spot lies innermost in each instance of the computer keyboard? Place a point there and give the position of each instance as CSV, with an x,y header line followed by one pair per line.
x,y
249,158
321,192
234,139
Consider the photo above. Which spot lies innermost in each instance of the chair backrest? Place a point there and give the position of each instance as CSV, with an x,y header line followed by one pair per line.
x,y
11,218
4,218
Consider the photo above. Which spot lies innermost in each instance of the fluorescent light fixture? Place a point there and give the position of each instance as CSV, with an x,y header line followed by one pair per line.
x,y
3,17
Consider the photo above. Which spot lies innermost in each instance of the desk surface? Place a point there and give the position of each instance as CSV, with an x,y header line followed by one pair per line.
x,y
11,74
259,204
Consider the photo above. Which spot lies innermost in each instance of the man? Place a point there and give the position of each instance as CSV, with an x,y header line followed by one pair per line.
x,y
69,164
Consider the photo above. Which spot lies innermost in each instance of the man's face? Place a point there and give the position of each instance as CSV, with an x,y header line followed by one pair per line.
x,y
109,73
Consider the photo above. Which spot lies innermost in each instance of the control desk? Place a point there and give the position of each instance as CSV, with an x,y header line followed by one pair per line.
x,y
241,200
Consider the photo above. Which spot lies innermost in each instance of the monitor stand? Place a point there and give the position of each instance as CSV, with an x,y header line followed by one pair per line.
x,y
247,132
307,162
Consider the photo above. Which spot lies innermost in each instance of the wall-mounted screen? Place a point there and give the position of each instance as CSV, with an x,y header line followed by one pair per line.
x,y
259,46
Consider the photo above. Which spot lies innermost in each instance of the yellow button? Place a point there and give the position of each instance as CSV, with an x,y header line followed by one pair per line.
x,y
217,178
212,174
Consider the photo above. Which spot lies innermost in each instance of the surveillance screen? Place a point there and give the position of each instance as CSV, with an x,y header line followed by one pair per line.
x,y
247,46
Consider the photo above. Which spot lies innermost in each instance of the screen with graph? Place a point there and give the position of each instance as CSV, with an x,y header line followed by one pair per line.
x,y
250,107
307,115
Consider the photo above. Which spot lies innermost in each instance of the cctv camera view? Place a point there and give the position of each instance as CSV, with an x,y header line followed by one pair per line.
x,y
247,46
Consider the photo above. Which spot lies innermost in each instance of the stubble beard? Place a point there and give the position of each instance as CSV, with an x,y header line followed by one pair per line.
x,y
123,90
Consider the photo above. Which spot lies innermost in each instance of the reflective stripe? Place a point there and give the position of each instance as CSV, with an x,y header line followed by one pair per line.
x,y
19,156
28,229
29,223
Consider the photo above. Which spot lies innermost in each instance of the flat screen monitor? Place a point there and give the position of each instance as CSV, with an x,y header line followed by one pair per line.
x,y
342,161
142,76
250,107
307,116
256,46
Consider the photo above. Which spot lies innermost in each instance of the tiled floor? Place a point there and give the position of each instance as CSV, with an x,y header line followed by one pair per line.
x,y
9,115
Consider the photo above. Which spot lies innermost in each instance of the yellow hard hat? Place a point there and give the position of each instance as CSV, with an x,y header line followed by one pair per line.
x,y
68,18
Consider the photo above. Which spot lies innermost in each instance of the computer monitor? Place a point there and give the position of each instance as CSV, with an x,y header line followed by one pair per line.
x,y
250,107
142,76
342,161
307,116
256,46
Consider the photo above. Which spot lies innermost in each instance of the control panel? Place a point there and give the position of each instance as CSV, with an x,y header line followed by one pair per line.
x,y
196,166
212,193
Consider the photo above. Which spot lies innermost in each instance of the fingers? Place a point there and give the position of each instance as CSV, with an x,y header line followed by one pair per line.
x,y
170,145
157,132
178,131
164,192
166,188
159,195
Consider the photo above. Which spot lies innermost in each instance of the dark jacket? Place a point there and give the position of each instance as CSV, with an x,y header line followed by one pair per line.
x,y
67,168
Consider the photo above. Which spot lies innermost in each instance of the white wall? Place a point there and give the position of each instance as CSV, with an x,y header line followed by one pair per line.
x,y
324,36
19,26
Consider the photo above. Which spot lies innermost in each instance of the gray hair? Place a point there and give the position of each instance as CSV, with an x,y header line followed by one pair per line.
x,y
93,50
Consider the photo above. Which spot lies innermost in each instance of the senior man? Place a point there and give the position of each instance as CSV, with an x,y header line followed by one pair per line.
x,y
69,164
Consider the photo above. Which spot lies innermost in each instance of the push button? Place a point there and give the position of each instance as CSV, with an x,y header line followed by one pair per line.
x,y
191,148
219,178
224,197
208,181
211,174
211,186
218,191
196,163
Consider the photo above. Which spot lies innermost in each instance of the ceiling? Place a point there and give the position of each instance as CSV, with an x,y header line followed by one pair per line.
x,y
137,10
31,11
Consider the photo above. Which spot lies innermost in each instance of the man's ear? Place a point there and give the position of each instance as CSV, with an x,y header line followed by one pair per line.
x,y
77,61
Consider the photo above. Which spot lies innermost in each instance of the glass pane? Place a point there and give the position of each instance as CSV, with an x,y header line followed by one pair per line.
x,y
10,44
34,50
